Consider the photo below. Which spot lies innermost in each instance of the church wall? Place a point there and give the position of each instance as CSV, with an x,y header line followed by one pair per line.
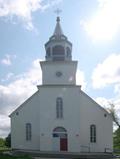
x,y
79,112
28,113
91,113
68,70
70,121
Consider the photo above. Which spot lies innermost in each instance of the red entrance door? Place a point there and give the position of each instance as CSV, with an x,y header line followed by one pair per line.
x,y
63,144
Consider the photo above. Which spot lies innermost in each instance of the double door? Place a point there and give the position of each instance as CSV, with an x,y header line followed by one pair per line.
x,y
60,142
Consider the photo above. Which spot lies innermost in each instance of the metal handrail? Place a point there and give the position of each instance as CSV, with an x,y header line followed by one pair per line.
x,y
109,150
86,146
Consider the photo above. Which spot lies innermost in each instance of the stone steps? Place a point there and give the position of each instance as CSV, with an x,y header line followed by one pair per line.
x,y
64,155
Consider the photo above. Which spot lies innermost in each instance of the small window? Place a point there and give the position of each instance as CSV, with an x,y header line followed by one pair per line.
x,y
48,52
58,53
28,131
105,115
68,52
59,108
93,133
17,113
58,50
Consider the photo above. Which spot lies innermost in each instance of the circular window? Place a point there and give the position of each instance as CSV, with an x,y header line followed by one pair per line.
x,y
17,113
58,74
105,115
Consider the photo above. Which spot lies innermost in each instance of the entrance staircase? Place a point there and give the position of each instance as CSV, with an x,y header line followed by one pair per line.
x,y
65,155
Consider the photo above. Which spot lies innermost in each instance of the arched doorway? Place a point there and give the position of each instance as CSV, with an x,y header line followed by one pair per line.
x,y
60,142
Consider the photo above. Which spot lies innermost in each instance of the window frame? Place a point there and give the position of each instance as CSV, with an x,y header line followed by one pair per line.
x,y
59,108
93,133
68,51
28,132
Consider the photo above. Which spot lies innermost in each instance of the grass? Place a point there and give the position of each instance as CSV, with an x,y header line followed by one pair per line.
x,y
2,149
7,156
3,156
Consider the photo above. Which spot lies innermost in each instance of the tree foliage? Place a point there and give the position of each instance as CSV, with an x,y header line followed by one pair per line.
x,y
114,114
8,140
2,142
116,139
116,120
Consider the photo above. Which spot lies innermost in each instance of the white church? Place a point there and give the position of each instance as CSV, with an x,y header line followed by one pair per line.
x,y
60,116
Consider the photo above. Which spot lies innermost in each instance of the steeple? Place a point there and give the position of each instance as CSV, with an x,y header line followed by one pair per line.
x,y
58,30
58,67
58,48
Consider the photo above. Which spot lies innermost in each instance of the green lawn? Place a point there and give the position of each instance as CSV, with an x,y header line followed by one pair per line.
x,y
6,156
4,149
2,156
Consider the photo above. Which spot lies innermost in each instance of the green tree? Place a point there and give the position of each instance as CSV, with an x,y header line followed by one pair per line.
x,y
116,139
8,140
2,142
114,115
116,120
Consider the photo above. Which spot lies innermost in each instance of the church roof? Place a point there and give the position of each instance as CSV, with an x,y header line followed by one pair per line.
x,y
58,30
59,86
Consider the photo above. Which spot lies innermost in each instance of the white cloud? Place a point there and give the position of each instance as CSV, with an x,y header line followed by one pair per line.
x,y
4,125
106,21
23,9
103,102
107,72
13,94
80,79
117,88
7,60
8,77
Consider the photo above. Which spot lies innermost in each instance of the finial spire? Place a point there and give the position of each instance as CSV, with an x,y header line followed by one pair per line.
x,y
58,30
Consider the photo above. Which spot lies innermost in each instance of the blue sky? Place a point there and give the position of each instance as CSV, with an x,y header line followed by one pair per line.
x,y
93,27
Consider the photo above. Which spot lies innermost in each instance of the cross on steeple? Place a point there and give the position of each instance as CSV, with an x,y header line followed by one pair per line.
x,y
58,11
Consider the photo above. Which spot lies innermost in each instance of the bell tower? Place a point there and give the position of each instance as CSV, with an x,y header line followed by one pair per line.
x,y
58,48
58,67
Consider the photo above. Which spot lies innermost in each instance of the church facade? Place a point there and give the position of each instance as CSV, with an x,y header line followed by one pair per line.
x,y
60,116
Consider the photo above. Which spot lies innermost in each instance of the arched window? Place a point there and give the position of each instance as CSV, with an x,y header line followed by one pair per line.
x,y
60,132
59,108
58,53
48,52
59,129
93,133
68,52
58,50
28,131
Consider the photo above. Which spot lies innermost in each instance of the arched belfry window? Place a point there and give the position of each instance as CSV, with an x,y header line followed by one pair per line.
x,y
59,108
58,50
68,51
28,131
93,133
48,52
58,53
